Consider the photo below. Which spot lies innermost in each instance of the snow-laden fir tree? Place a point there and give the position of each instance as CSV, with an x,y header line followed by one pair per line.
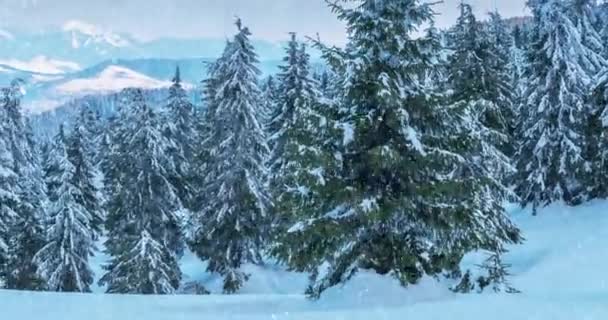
x,y
22,194
413,202
91,125
306,163
74,216
106,145
92,136
215,73
602,24
296,90
516,67
78,149
480,89
598,128
216,77
231,226
179,126
585,16
269,98
144,230
562,61
507,63
27,236
9,192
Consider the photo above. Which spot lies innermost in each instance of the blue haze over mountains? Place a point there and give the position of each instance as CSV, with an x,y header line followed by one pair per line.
x,y
93,50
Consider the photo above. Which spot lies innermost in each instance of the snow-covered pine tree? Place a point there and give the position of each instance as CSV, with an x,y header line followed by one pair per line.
x,y
602,24
269,98
27,236
562,61
106,145
496,276
9,193
296,90
413,202
211,85
79,154
74,216
91,125
504,57
584,15
517,67
179,126
22,195
216,74
480,88
144,230
481,92
306,166
598,128
91,131
287,79
231,227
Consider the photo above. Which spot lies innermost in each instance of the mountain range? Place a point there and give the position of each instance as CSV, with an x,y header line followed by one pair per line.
x,y
79,59
84,44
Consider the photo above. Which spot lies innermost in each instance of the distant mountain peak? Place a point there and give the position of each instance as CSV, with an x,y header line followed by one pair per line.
x,y
42,64
84,34
82,27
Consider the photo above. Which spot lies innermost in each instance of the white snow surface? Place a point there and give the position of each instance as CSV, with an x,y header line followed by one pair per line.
x,y
93,34
43,64
560,270
111,79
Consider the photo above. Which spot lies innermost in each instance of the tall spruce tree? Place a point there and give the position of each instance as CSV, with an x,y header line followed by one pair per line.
x,y
179,126
412,201
562,61
9,193
269,98
22,194
27,236
231,226
481,89
91,125
306,163
92,134
74,218
506,62
144,231
598,126
211,86
296,90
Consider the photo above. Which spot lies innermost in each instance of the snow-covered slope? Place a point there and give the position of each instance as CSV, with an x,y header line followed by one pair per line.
x,y
48,91
110,79
560,271
86,34
42,64
8,73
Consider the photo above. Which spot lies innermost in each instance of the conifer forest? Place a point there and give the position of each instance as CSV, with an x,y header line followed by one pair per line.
x,y
416,170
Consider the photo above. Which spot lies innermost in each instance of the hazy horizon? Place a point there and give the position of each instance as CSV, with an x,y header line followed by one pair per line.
x,y
152,19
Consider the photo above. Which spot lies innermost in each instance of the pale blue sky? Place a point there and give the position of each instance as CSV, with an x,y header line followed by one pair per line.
x,y
148,19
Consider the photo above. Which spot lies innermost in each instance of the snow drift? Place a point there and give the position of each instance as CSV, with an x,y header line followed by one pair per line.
x,y
560,270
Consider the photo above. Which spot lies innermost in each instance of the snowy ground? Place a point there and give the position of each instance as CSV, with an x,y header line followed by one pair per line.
x,y
561,270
